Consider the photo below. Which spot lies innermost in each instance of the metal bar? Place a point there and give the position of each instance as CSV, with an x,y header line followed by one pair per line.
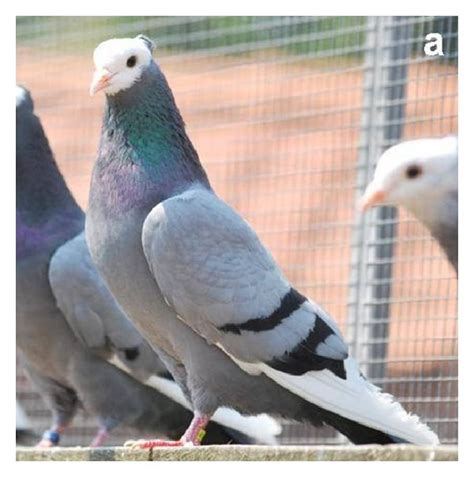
x,y
373,243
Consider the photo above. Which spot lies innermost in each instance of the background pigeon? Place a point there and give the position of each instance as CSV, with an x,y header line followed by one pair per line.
x,y
422,176
72,336
198,283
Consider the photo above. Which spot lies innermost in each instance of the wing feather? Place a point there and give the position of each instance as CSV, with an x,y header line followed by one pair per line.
x,y
214,271
92,312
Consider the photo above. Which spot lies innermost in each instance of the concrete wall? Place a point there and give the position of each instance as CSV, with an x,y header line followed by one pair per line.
x,y
247,453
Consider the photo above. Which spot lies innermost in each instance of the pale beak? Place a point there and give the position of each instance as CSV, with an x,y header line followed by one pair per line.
x,y
373,195
100,80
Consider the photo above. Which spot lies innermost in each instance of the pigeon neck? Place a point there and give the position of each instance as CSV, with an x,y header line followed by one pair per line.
x,y
448,240
440,216
145,154
147,121
437,210
46,213
33,238
41,191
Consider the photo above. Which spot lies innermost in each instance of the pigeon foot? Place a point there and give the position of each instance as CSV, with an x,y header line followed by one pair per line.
x,y
150,444
192,437
45,444
50,439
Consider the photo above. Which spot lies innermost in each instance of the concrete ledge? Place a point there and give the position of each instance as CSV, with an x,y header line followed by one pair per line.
x,y
244,453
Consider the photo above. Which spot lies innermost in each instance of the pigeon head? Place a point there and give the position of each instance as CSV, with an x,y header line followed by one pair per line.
x,y
120,63
23,99
412,172
145,154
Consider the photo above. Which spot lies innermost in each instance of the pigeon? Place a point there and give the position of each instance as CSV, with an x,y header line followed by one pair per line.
x,y
422,176
74,340
196,281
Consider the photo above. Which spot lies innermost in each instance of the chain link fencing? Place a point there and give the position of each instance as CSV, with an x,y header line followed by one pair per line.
x,y
289,115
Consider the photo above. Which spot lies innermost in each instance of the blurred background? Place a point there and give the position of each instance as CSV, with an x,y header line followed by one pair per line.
x,y
289,115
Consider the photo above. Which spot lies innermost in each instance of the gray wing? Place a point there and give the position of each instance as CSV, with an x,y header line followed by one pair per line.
x,y
213,270
93,313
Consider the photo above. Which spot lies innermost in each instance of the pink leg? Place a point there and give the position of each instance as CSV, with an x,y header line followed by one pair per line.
x,y
192,437
196,431
100,437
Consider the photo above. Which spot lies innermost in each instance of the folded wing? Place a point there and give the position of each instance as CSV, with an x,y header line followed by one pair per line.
x,y
93,313
213,270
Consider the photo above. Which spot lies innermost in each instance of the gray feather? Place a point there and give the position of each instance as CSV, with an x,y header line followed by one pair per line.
x,y
215,273
194,278
68,323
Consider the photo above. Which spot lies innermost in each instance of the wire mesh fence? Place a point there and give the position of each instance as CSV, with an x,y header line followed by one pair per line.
x,y
289,115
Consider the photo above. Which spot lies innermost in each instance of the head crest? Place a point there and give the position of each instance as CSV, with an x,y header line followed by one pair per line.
x,y
149,43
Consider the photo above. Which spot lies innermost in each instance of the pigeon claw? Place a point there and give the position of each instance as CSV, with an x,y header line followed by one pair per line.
x,y
150,444
44,444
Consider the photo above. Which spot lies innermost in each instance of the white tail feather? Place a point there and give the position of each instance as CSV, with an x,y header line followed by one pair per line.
x,y
356,399
262,427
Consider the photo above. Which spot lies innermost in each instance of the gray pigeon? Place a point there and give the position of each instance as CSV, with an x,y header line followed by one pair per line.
x,y
195,279
422,176
76,343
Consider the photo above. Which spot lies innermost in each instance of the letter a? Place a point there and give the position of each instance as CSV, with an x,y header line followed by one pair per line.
x,y
434,45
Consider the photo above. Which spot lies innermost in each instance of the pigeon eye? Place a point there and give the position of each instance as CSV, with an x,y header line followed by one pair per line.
x,y
132,61
413,171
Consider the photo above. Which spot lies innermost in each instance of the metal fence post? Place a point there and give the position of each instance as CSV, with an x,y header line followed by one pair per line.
x,y
387,51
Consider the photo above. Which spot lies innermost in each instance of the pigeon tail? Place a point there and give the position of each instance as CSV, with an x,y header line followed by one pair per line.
x,y
353,405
